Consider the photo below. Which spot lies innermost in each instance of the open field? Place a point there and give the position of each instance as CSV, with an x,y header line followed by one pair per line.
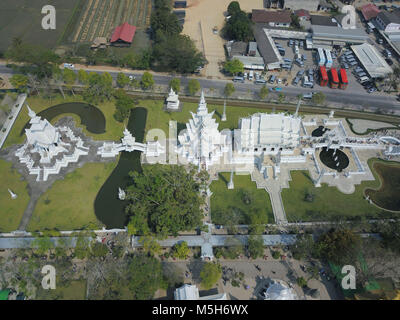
x,y
201,17
99,18
76,290
329,202
69,204
114,129
21,18
224,201
11,211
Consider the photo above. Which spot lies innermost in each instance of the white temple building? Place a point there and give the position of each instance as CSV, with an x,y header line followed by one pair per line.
x,y
172,100
278,290
268,134
191,292
202,144
48,149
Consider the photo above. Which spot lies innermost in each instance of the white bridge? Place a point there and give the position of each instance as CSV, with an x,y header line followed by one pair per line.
x,y
129,144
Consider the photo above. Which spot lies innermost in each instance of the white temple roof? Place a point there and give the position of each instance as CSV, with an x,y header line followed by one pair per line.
x,y
279,291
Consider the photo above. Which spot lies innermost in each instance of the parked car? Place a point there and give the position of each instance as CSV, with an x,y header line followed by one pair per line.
x,y
389,61
345,65
300,73
272,79
69,66
260,81
308,95
372,90
238,79
296,81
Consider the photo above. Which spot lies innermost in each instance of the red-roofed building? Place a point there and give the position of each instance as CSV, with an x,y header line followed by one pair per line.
x,y
369,11
123,35
303,14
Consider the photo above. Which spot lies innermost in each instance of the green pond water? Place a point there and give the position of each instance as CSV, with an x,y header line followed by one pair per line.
x,y
90,116
108,208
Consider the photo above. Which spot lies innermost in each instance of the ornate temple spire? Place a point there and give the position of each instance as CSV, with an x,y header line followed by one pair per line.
x,y
31,113
202,104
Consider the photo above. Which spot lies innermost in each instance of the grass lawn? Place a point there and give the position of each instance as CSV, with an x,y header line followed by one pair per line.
x,y
69,204
114,129
76,290
329,202
11,211
159,119
229,205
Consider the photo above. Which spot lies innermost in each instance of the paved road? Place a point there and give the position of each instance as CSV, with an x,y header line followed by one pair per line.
x,y
350,97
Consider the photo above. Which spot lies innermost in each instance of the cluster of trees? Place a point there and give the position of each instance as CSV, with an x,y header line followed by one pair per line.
x,y
239,26
233,67
172,51
163,200
124,104
210,274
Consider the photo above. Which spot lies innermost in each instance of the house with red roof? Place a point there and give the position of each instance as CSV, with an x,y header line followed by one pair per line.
x,y
369,11
123,35
303,14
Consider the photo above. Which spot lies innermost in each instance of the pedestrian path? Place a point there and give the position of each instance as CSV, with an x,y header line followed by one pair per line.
x,y
8,124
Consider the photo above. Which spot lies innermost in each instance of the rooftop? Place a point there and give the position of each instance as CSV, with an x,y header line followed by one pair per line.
x,y
369,11
124,32
266,16
372,61
389,17
337,34
322,21
266,46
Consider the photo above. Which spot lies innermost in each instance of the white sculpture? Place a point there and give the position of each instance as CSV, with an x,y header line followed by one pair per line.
x,y
121,194
332,114
231,185
12,194
223,118
173,100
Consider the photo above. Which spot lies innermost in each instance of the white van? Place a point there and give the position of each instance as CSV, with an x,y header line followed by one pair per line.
x,y
251,75
364,79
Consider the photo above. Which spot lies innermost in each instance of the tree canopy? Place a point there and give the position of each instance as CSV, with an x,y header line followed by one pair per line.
x,y
175,84
210,274
193,86
255,246
239,25
99,87
229,89
145,276
147,81
233,66
163,200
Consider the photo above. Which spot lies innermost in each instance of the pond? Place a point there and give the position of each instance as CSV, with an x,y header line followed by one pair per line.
x,y
319,132
91,116
108,208
336,161
387,196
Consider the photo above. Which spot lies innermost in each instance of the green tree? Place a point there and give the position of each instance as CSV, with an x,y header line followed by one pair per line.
x,y
263,92
43,245
147,81
150,245
175,84
281,97
99,250
145,277
256,246
234,66
185,60
239,27
99,87
229,89
193,86
123,104
338,246
164,200
83,76
295,23
82,248
19,82
122,80
318,98
181,250
69,77
210,274
301,282
234,8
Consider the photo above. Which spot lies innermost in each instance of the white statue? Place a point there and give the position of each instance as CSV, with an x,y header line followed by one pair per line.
x,y
12,194
121,194
173,100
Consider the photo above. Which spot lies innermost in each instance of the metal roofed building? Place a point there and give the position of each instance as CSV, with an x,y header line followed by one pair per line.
x,y
272,18
267,48
373,62
191,292
337,36
310,5
238,50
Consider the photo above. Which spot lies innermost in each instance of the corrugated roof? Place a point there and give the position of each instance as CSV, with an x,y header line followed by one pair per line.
x,y
265,47
369,11
372,61
124,32
339,34
322,21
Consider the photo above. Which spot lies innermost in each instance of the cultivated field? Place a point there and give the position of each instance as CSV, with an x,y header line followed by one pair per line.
x,y
99,18
23,18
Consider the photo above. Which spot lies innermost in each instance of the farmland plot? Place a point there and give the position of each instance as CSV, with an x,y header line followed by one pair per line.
x,y
100,17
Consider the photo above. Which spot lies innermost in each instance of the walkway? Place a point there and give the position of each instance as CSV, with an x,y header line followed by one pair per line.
x,y
13,115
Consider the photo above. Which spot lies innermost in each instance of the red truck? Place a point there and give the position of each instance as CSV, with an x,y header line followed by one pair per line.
x,y
343,79
334,79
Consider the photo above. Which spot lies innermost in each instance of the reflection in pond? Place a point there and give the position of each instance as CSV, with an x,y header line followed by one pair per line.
x,y
335,160
91,116
319,132
108,208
